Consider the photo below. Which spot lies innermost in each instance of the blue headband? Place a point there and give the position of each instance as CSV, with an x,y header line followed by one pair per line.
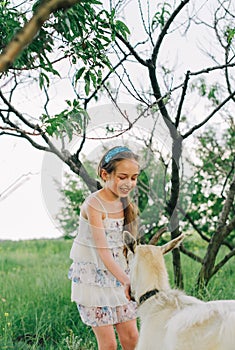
x,y
113,152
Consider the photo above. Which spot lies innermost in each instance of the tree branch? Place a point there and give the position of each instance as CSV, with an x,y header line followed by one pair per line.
x,y
227,177
226,207
31,28
23,134
185,86
196,228
198,126
211,69
223,262
132,50
160,102
12,130
165,29
190,254
87,100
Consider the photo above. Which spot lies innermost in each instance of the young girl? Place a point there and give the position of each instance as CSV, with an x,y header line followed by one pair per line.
x,y
99,273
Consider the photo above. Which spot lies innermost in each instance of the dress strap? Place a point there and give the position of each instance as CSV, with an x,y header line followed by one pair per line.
x,y
102,205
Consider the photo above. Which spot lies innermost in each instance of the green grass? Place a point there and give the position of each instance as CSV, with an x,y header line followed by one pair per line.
x,y
35,307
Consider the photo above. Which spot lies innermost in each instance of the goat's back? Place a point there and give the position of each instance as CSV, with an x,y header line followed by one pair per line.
x,y
204,326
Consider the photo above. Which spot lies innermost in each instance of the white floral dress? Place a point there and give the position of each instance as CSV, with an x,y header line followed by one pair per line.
x,y
99,295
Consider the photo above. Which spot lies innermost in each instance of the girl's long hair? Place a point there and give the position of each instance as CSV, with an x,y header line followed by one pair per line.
x,y
129,207
130,218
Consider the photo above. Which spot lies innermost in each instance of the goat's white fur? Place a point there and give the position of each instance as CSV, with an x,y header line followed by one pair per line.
x,y
171,320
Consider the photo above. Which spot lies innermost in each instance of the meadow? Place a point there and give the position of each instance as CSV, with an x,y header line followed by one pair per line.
x,y
35,307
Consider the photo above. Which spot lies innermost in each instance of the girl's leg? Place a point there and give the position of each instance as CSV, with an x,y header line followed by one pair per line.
x,y
128,334
106,337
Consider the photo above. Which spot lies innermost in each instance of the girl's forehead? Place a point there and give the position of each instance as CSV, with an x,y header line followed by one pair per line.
x,y
127,166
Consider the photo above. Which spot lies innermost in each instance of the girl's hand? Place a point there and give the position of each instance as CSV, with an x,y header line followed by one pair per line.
x,y
127,290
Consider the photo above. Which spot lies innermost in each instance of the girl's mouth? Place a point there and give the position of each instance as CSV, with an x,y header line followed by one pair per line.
x,y
125,189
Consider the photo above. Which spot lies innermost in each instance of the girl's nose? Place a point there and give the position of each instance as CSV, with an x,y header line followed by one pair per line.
x,y
128,182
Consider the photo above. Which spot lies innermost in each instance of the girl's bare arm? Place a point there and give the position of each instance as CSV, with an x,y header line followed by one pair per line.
x,y
97,228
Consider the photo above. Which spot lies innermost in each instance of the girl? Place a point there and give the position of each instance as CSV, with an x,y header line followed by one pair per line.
x,y
99,274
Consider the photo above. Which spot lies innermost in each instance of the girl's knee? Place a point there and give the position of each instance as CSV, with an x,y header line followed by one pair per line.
x,y
130,339
109,344
106,338
133,336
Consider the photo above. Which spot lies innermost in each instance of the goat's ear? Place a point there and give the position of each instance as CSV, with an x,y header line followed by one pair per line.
x,y
174,243
129,241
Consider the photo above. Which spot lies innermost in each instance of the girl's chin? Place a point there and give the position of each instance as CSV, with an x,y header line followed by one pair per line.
x,y
123,194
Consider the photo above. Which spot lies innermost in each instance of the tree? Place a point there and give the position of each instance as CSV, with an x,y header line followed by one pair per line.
x,y
102,51
211,212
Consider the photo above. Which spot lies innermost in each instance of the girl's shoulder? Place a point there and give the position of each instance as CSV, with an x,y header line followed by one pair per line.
x,y
93,202
92,198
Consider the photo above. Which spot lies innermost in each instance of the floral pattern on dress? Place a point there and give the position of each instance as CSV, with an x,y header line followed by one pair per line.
x,y
113,230
89,273
105,315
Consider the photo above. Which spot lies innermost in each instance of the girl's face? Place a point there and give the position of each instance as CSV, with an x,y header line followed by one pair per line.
x,y
121,181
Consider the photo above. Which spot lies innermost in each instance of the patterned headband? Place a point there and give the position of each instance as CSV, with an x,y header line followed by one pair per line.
x,y
113,152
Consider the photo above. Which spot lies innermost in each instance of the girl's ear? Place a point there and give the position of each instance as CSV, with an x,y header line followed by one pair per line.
x,y
104,175
129,241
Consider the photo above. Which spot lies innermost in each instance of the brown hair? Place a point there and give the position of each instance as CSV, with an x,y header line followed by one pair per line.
x,y
109,163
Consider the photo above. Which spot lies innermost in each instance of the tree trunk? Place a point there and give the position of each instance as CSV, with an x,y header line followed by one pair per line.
x,y
222,231
173,210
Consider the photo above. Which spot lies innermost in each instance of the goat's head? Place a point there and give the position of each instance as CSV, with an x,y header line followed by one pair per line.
x,y
147,265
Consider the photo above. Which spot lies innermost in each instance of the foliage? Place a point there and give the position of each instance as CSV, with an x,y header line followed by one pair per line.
x,y
152,193
229,34
10,22
83,34
69,122
73,195
213,173
211,92
161,15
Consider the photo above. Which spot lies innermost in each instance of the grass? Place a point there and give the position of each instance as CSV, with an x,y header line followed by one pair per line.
x,y
35,307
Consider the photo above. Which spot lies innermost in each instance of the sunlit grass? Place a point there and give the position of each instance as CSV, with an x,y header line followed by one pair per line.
x,y
35,307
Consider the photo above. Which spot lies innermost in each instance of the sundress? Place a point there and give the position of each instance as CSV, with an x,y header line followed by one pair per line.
x,y
99,295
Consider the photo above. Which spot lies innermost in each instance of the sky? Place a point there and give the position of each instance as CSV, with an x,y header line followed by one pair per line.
x,y
23,212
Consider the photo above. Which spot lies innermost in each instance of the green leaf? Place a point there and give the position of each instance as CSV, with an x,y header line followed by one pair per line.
x,y
122,28
229,33
87,83
161,16
43,80
93,78
79,73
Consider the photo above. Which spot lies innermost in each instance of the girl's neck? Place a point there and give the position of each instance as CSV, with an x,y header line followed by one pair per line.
x,y
112,203
108,196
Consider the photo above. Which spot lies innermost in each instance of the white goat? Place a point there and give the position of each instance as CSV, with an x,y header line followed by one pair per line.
x,y
169,319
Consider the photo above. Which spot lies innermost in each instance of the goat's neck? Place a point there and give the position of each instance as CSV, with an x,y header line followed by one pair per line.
x,y
147,282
